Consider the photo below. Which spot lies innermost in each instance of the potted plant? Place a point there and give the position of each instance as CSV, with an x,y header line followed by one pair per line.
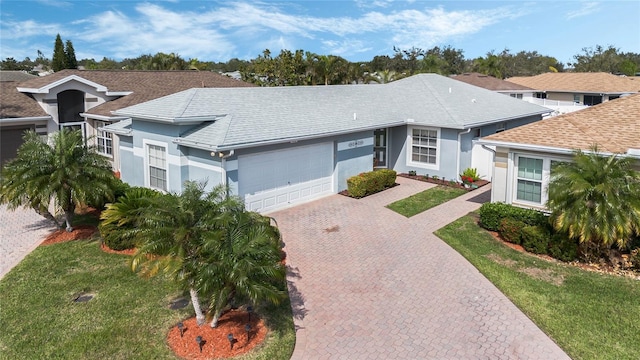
x,y
469,176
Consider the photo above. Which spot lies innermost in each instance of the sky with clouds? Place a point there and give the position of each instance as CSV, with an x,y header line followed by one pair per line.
x,y
357,30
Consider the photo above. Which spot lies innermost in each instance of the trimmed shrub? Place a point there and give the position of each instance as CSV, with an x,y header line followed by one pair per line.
x,y
370,182
492,213
118,227
511,229
563,248
535,239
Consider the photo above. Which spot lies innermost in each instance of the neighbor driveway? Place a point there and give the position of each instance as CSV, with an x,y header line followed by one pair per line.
x,y
368,283
21,231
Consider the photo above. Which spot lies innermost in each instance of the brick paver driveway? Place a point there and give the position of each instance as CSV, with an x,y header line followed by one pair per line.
x,y
20,232
367,283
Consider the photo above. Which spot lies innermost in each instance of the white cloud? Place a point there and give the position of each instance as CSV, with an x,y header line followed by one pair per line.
x,y
56,3
585,9
345,47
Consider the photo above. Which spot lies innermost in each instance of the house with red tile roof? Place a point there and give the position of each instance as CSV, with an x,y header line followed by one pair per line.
x,y
524,156
85,99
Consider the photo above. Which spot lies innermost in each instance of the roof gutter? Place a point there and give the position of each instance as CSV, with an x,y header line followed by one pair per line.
x,y
103,117
23,119
552,149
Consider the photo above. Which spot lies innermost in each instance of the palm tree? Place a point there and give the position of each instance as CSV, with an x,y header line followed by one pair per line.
x,y
119,227
68,171
246,262
596,199
171,233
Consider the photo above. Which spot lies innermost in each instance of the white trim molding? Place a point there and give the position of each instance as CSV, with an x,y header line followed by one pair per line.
x,y
438,147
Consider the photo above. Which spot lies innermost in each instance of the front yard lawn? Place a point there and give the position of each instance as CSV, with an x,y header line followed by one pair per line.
x,y
128,318
590,315
425,200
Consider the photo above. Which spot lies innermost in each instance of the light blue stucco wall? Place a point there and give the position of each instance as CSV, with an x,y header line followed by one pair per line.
x,y
449,166
352,154
448,148
346,163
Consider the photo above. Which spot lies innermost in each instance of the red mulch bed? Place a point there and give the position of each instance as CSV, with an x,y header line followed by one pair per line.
x,y
216,343
78,233
477,184
107,249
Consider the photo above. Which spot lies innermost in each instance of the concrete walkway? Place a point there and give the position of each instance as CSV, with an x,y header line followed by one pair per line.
x,y
21,231
368,283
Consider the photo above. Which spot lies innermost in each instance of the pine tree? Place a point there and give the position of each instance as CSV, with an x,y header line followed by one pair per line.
x,y
58,62
70,56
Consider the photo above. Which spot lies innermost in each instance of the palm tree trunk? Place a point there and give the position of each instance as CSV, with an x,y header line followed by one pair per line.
x,y
216,317
68,217
196,306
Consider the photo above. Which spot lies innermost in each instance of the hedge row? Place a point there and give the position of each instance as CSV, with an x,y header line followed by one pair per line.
x,y
527,227
491,214
370,182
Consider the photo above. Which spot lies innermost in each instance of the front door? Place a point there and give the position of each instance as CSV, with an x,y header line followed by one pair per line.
x,y
380,149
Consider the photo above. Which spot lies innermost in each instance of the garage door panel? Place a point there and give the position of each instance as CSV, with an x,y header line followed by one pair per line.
x,y
276,179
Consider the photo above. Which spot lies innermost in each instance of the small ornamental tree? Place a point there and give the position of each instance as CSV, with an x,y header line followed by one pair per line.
x,y
596,199
65,173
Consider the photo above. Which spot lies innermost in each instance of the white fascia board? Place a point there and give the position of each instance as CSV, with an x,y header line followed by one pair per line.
x,y
24,119
487,122
45,89
529,147
102,117
118,93
542,148
123,132
168,120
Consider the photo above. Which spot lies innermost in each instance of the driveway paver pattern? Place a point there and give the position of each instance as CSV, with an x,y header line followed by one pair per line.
x,y
21,231
368,283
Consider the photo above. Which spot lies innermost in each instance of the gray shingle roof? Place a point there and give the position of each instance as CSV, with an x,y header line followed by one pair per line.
x,y
277,114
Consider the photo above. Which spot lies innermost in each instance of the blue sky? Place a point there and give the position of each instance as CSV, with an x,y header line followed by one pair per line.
x,y
356,30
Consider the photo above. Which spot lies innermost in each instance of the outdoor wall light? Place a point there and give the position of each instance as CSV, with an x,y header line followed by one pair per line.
x,y
200,342
247,328
181,328
231,340
249,311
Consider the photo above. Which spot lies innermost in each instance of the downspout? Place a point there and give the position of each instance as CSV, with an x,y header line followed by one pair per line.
x,y
223,161
458,151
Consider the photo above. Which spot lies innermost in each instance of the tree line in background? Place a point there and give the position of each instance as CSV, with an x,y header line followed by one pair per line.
x,y
307,68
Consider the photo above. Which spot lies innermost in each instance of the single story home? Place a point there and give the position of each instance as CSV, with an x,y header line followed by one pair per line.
x,y
581,88
524,156
85,99
278,146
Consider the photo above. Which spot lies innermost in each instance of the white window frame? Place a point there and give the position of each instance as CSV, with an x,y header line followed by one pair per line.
x,y
410,161
103,136
546,176
147,173
501,126
538,181
516,95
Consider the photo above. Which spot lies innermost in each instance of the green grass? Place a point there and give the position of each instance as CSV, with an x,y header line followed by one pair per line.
x,y
425,200
589,315
128,318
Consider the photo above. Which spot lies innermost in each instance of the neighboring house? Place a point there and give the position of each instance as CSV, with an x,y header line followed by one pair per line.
x,y
277,146
494,84
517,91
524,156
580,88
85,99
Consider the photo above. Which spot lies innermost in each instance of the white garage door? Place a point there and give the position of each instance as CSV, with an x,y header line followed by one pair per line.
x,y
276,179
